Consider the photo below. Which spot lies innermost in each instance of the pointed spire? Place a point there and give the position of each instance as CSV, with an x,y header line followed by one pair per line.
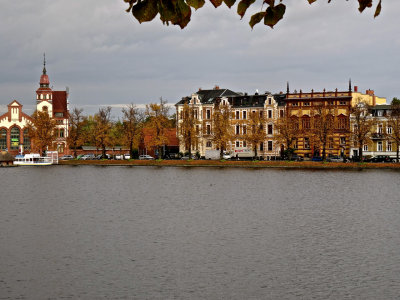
x,y
287,87
44,63
350,85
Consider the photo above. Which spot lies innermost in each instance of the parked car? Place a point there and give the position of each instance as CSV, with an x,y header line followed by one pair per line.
x,y
317,158
88,156
145,157
80,156
127,156
100,156
118,156
381,158
66,157
335,159
297,157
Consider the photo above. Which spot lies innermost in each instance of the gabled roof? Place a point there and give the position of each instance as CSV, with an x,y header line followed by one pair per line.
x,y
209,96
60,102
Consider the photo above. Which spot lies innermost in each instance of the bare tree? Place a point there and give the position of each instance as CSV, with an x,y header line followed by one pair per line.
x,y
323,125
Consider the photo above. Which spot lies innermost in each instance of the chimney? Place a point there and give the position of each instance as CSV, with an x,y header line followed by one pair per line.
x,y
356,89
199,89
369,92
216,87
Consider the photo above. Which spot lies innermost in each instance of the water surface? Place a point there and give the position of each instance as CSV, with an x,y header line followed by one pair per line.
x,y
95,232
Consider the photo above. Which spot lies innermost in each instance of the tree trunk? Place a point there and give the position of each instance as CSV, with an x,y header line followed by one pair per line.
x,y
221,153
103,151
397,151
323,152
131,149
255,152
360,153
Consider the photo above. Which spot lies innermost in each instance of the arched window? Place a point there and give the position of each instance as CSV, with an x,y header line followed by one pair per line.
x,y
14,138
3,139
27,140
306,124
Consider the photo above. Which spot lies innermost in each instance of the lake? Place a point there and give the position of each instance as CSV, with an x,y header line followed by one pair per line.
x,y
97,232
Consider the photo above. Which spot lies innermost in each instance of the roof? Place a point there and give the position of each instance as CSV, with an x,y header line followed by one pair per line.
x,y
382,106
208,96
60,102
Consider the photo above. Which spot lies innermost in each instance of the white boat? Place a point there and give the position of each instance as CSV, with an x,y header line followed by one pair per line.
x,y
33,159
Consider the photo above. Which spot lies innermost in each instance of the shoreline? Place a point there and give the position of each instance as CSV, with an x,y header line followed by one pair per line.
x,y
234,164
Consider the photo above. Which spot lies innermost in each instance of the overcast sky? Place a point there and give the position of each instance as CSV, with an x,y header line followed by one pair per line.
x,y
106,57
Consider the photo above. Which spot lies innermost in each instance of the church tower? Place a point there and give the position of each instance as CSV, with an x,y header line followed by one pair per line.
x,y
44,94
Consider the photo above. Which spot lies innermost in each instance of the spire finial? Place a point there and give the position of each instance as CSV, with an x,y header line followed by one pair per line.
x,y
44,63
287,87
350,85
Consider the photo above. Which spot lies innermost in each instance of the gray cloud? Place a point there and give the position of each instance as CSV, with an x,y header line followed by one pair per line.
x,y
107,58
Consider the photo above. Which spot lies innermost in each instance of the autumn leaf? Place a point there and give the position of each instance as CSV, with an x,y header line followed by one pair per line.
x,y
274,15
196,4
256,18
378,9
145,10
229,3
312,1
216,3
243,6
364,4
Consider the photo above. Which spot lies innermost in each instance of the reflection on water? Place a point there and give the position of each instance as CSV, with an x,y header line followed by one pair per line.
x,y
180,233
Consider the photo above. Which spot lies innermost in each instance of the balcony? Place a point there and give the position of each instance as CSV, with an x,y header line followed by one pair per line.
x,y
377,136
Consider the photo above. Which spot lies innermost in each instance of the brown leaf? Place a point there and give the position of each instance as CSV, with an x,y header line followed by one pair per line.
x,y
378,9
270,2
229,3
364,4
196,4
312,1
256,18
243,6
145,10
216,3
274,15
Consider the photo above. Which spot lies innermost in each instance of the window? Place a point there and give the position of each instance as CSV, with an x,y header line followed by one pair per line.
x,y
237,129
380,146
306,123
306,103
343,102
389,146
60,148
261,146
237,115
365,147
14,138
208,129
244,115
3,139
27,140
197,129
295,144
281,113
244,144
270,129
270,145
59,122
237,144
306,143
269,101
195,114
389,129
295,104
380,113
380,128
208,144
342,123
208,114
261,114
45,108
342,140
244,129
330,143
269,114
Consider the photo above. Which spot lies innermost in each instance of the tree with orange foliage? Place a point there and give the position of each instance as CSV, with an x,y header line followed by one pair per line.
x,y
42,131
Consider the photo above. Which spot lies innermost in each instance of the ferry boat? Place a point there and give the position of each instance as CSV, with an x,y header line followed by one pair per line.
x,y
33,159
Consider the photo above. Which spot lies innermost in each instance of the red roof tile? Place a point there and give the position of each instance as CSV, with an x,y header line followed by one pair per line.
x,y
60,102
